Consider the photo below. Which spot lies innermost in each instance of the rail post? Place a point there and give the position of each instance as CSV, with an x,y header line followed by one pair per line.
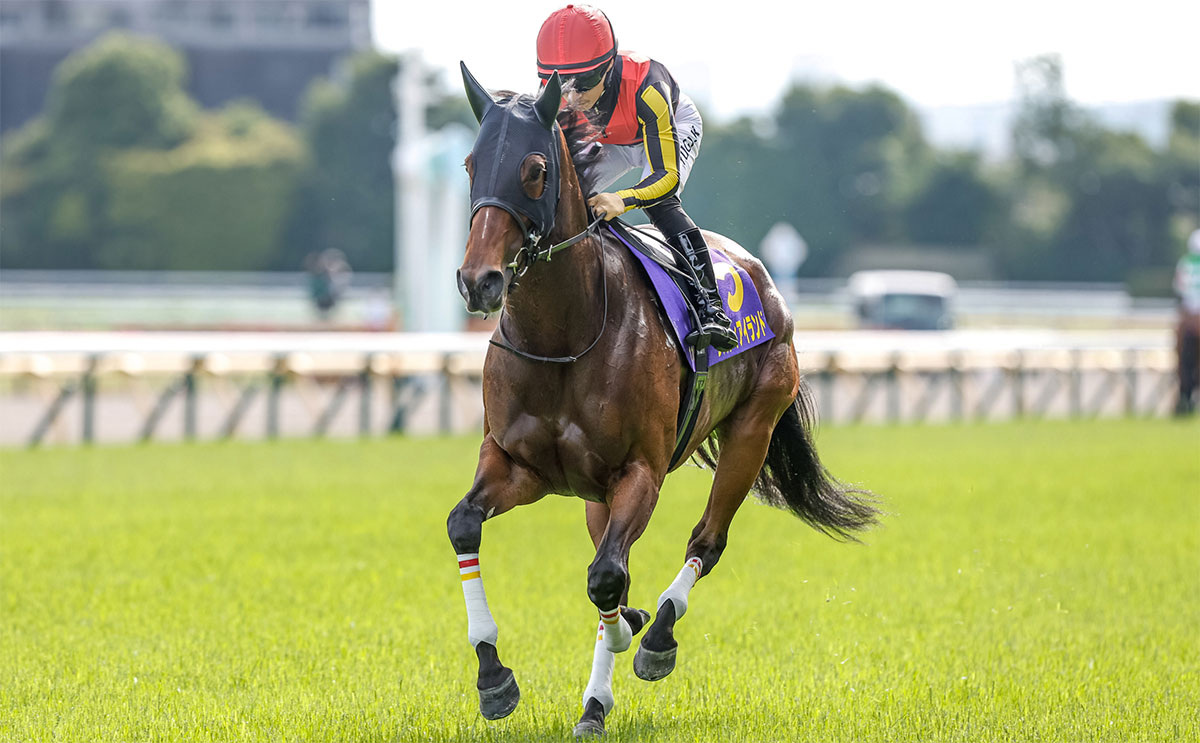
x,y
957,393
444,403
893,391
1017,372
1131,374
88,388
278,376
364,401
189,398
1076,383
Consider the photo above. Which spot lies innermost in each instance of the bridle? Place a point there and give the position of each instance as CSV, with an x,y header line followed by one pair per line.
x,y
529,254
507,127
530,251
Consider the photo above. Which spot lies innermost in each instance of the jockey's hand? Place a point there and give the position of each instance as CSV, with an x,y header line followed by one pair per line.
x,y
607,205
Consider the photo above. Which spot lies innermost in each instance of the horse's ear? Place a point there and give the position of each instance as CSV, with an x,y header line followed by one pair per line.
x,y
480,99
548,101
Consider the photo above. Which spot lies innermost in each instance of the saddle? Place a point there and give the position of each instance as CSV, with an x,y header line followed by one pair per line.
x,y
738,295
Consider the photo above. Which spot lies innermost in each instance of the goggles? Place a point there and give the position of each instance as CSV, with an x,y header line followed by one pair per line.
x,y
585,81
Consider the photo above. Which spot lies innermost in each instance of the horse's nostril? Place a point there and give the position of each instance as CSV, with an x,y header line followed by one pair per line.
x,y
491,286
492,282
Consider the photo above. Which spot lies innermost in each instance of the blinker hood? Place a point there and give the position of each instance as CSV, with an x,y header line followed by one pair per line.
x,y
511,130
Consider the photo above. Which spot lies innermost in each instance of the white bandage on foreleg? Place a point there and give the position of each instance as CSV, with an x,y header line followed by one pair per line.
x,y
480,625
677,592
618,635
600,684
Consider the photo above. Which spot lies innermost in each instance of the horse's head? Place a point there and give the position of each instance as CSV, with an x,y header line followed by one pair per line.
x,y
515,175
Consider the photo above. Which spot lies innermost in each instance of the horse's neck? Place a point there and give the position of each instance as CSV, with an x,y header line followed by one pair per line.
x,y
560,301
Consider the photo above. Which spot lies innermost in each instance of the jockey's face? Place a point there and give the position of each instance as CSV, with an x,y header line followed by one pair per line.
x,y
586,99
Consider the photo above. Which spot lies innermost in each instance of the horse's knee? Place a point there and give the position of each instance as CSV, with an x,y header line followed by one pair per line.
x,y
606,583
465,527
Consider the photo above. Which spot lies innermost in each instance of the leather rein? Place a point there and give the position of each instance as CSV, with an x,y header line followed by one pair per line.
x,y
530,254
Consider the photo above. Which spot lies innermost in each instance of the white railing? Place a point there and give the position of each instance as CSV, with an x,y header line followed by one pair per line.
x,y
82,387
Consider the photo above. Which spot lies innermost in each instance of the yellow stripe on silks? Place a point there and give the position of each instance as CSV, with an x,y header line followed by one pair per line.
x,y
666,137
468,576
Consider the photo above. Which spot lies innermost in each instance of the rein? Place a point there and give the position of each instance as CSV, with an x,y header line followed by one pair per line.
x,y
530,254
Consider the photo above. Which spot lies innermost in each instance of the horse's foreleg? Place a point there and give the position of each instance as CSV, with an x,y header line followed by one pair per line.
x,y
619,623
745,438
500,484
631,500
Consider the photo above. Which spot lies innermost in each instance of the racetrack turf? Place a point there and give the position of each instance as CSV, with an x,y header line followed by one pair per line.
x,y
1033,582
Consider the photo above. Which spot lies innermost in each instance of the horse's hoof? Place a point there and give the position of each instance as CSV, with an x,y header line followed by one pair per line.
x,y
652,665
592,723
638,618
500,700
589,729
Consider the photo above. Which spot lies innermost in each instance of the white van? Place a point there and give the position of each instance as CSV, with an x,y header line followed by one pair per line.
x,y
903,300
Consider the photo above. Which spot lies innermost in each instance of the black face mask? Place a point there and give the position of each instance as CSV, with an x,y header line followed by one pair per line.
x,y
510,130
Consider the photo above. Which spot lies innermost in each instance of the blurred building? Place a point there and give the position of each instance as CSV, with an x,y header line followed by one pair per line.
x,y
268,50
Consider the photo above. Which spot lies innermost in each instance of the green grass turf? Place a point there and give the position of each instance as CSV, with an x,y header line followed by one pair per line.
x,y
1034,582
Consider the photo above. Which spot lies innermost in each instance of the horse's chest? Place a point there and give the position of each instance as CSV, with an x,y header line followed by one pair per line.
x,y
573,454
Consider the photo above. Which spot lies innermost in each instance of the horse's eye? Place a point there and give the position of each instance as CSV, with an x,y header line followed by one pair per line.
x,y
533,175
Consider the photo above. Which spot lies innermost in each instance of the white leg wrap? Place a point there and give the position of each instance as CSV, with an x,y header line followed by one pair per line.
x,y
600,684
480,625
677,592
618,635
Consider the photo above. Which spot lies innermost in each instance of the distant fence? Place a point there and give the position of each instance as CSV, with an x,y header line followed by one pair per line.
x,y
69,388
279,300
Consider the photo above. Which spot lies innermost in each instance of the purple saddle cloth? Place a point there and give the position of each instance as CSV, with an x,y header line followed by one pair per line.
x,y
738,295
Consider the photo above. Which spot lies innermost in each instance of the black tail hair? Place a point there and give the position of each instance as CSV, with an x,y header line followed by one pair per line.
x,y
794,479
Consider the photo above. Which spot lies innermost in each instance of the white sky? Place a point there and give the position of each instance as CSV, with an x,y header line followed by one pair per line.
x,y
737,56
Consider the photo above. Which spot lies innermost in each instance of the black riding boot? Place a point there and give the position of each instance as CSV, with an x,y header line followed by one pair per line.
x,y
715,327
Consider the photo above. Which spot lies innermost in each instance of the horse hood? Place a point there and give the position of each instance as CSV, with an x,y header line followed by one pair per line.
x,y
510,131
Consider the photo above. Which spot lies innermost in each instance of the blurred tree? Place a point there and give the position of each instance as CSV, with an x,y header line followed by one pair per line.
x,y
1181,169
734,189
219,201
346,195
1093,204
1046,121
1119,215
123,91
955,205
831,162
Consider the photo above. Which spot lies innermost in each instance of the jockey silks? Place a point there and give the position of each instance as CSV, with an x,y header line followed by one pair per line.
x,y
638,107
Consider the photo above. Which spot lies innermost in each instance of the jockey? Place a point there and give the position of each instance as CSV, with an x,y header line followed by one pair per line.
x,y
644,121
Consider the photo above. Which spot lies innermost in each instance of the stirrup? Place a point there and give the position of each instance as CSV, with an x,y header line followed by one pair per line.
x,y
714,334
720,336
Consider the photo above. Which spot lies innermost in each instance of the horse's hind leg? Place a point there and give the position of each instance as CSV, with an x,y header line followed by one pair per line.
x,y
613,533
745,437
500,484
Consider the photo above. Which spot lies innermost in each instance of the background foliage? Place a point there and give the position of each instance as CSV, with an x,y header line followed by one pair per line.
x,y
125,171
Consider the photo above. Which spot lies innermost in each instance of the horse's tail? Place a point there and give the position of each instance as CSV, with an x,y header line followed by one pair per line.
x,y
793,478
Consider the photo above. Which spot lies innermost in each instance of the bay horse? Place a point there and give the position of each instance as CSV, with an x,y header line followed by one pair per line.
x,y
598,421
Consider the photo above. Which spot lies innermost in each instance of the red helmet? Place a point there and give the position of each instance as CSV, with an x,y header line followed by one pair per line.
x,y
575,39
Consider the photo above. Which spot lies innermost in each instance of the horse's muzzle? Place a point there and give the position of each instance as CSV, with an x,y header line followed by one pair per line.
x,y
483,292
